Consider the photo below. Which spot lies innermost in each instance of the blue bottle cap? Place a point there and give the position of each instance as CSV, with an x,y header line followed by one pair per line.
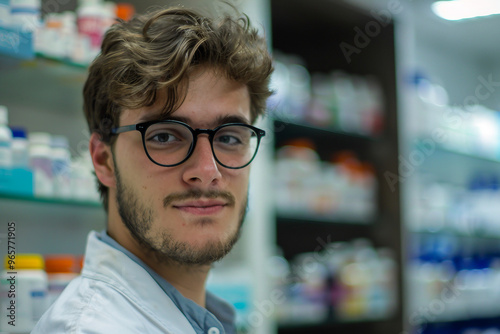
x,y
18,132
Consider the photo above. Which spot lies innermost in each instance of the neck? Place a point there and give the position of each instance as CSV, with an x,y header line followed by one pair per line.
x,y
188,280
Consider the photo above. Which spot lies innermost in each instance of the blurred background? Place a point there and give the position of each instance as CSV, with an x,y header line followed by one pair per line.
x,y
374,203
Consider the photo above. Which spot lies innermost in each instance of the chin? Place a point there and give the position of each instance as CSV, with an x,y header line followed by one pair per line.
x,y
208,234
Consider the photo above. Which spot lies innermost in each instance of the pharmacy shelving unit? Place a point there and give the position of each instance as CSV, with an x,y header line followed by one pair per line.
x,y
451,243
297,232
43,95
314,31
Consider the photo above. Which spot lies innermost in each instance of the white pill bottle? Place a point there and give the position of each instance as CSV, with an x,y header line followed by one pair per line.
x,y
23,292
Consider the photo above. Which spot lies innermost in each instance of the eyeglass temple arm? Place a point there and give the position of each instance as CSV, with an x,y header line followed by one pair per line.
x,y
124,129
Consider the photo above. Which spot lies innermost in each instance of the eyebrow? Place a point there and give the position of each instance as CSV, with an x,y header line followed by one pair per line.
x,y
230,119
222,119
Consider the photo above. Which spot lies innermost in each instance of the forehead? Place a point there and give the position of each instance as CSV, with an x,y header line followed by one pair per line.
x,y
210,98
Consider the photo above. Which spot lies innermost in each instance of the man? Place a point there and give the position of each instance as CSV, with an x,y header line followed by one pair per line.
x,y
170,102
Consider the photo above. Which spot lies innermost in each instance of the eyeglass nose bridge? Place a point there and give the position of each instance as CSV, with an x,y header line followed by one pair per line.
x,y
196,133
209,132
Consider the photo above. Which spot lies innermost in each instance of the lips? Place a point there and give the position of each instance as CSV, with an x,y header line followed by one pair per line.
x,y
201,207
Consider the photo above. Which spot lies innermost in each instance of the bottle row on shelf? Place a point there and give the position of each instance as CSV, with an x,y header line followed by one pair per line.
x,y
342,281
469,128
40,164
73,36
470,209
33,282
344,189
344,101
450,279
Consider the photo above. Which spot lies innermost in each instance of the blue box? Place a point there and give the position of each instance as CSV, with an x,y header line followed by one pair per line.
x,y
16,181
16,42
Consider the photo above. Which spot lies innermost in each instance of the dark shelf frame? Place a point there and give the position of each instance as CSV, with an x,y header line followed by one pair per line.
x,y
296,236
326,140
314,30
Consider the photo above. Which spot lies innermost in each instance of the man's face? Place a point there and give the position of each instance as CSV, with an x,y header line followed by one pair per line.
x,y
189,213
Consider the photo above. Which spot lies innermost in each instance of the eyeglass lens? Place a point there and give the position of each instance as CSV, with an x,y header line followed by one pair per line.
x,y
170,143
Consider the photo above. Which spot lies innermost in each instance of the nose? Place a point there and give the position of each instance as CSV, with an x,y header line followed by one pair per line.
x,y
201,169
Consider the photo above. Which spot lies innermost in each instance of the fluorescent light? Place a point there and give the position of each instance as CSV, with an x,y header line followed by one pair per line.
x,y
465,9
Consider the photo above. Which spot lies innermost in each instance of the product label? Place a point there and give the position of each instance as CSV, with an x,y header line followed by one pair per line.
x,y
39,304
93,28
43,176
5,156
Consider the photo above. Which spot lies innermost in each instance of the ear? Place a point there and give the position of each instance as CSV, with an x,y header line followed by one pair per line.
x,y
102,158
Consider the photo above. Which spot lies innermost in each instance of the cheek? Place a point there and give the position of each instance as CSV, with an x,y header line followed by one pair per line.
x,y
129,152
133,165
239,183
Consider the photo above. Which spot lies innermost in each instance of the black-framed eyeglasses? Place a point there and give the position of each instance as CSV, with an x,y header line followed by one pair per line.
x,y
169,143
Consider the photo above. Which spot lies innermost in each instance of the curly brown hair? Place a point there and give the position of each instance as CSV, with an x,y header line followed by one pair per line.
x,y
157,51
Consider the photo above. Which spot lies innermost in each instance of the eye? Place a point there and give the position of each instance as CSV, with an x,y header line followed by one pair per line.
x,y
228,139
162,137
162,134
233,136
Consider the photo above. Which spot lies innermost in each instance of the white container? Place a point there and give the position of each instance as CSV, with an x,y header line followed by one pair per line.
x,y
61,166
26,14
4,13
20,149
61,270
57,283
5,140
69,33
41,163
24,293
83,181
94,18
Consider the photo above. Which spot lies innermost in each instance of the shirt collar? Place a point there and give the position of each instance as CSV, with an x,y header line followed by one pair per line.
x,y
217,313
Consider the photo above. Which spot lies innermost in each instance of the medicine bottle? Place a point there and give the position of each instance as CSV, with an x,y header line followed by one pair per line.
x,y
20,149
92,20
61,166
26,14
23,291
41,163
5,140
61,270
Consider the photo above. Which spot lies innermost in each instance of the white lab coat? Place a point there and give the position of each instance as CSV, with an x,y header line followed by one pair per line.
x,y
113,295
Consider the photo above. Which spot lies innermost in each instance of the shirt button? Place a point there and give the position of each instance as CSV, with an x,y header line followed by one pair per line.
x,y
213,330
